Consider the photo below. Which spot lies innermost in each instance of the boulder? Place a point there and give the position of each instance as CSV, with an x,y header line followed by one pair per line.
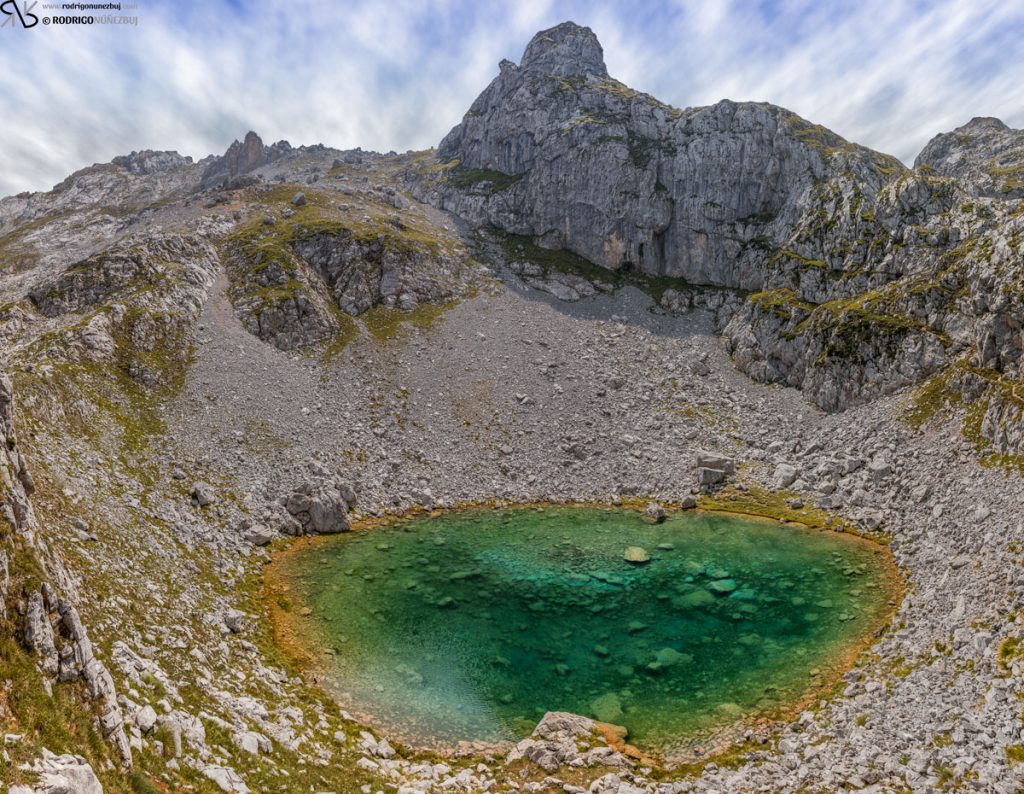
x,y
145,719
226,778
259,534
235,621
61,774
38,634
712,460
713,469
785,475
203,494
321,505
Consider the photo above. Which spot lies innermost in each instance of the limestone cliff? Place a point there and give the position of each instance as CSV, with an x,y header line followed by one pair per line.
x,y
865,277
557,149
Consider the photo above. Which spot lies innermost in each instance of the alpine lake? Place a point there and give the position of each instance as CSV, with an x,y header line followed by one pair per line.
x,y
470,625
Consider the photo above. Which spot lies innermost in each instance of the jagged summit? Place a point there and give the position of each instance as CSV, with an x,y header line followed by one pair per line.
x,y
149,161
631,183
242,157
566,50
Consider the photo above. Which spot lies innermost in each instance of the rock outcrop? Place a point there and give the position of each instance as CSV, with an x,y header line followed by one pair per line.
x,y
61,774
295,278
318,505
242,157
562,739
937,299
149,162
984,156
557,149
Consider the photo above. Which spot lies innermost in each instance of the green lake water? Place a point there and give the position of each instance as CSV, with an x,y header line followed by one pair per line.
x,y
471,625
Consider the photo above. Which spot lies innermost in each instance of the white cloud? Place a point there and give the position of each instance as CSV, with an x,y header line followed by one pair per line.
x,y
398,74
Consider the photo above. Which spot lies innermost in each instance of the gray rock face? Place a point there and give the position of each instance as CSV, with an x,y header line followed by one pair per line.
x,y
361,274
867,278
285,297
984,155
556,149
39,634
242,158
566,50
149,162
936,298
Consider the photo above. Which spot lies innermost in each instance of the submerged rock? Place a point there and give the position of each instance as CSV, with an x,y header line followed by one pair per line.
x,y
636,555
697,598
668,657
655,513
607,708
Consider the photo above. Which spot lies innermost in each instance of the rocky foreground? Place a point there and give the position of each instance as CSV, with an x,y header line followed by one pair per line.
x,y
204,360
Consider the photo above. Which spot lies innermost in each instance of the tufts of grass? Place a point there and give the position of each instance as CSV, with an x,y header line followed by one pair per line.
x,y
471,177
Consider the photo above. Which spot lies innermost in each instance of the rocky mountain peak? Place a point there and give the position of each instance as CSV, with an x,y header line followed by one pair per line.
x,y
983,123
566,50
984,155
630,183
243,157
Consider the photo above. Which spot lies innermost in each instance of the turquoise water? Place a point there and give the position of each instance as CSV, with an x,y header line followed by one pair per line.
x,y
471,625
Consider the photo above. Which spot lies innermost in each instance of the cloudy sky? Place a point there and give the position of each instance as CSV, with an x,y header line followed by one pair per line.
x,y
397,74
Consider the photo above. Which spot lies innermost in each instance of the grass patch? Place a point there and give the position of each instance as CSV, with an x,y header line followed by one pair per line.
x,y
470,177
643,149
757,501
784,303
1010,650
733,757
386,324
